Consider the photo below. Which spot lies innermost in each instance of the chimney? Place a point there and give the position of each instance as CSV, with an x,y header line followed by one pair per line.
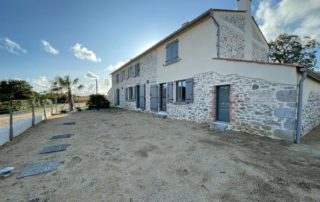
x,y
245,5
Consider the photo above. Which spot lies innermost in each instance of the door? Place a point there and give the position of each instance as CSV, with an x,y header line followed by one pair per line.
x,y
223,103
163,97
118,97
142,98
137,96
154,98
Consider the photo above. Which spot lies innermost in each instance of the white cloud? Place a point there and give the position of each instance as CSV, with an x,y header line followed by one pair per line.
x,y
114,67
11,46
91,75
84,53
289,16
47,47
41,84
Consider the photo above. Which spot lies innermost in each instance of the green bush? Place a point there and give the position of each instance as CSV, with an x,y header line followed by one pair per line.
x,y
98,102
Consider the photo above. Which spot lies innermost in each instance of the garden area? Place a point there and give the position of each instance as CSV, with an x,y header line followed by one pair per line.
x,y
118,155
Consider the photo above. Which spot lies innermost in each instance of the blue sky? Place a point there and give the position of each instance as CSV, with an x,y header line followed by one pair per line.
x,y
104,33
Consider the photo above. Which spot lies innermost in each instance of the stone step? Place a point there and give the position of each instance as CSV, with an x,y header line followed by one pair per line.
x,y
221,126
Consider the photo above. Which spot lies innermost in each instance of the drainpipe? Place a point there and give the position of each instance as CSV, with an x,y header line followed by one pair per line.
x,y
218,34
299,111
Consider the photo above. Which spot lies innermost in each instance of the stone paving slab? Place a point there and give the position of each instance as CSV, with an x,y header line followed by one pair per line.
x,y
69,123
38,168
56,137
53,148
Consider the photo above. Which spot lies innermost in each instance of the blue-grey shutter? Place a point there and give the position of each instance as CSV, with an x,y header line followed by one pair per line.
x,y
170,92
126,74
142,96
168,53
189,90
175,50
126,94
154,98
132,71
115,98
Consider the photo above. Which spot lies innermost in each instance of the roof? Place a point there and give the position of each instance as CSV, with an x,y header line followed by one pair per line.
x,y
178,31
312,74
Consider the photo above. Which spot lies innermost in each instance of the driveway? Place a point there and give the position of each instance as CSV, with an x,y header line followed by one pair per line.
x,y
128,156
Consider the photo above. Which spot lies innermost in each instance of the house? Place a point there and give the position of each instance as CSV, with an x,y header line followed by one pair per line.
x,y
215,70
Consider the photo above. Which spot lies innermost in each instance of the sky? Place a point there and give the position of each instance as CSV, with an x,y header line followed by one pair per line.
x,y
40,40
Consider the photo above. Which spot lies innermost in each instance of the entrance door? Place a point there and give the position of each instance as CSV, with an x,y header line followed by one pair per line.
x,y
223,103
118,97
137,96
163,97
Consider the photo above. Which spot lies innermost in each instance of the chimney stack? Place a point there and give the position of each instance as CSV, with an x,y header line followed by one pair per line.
x,y
245,5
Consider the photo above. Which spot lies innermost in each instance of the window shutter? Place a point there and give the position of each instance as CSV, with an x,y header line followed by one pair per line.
x,y
170,92
126,94
132,71
142,96
189,90
133,93
154,98
175,50
168,53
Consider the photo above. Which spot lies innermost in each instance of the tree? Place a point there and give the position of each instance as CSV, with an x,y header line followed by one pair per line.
x,y
15,90
292,49
66,84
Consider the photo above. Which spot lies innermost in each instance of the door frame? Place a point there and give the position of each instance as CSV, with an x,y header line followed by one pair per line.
x,y
137,96
217,100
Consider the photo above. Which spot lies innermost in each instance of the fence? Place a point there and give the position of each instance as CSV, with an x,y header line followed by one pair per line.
x,y
17,116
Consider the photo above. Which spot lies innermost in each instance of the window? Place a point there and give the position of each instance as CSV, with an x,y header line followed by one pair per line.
x,y
131,71
131,93
181,91
117,78
137,69
123,76
172,52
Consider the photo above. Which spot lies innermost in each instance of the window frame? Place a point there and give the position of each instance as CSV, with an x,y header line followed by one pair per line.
x,y
179,91
117,78
131,95
172,52
137,69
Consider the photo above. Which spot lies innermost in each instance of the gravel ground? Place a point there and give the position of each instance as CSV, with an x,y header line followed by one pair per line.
x,y
128,156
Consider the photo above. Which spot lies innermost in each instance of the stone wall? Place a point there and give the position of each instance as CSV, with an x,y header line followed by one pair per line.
x,y
236,19
259,53
148,71
311,112
231,43
257,106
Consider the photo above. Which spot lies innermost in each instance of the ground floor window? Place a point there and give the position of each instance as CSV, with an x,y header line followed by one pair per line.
x,y
181,91
131,93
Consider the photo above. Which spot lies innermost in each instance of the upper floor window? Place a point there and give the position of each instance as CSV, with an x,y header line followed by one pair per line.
x,y
123,75
117,78
137,69
172,52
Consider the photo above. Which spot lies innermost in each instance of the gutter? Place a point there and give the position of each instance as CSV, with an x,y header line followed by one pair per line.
x,y
218,33
299,111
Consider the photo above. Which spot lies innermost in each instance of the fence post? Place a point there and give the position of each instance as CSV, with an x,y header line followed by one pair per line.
x,y
33,114
51,109
11,122
44,111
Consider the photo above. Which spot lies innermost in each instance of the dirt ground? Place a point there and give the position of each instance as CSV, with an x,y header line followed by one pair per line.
x,y
128,156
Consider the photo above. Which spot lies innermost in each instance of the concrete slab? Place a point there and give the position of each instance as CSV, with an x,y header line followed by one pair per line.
x,y
53,148
38,168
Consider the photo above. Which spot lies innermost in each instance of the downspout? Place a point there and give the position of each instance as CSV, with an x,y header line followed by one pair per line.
x,y
218,34
300,100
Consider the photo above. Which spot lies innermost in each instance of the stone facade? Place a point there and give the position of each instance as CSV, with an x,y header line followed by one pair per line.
x,y
259,53
231,43
257,106
311,112
148,71
236,19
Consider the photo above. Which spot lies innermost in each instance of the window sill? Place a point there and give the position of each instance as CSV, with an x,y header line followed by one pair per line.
x,y
172,62
179,103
